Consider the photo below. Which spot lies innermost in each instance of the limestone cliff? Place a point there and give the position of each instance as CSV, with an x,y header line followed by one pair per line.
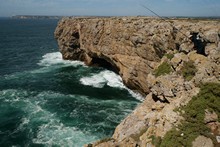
x,y
142,50
130,46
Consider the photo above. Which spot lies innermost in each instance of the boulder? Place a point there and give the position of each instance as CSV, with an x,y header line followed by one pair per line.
x,y
210,117
202,141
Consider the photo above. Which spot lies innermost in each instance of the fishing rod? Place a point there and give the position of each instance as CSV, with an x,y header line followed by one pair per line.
x,y
154,12
200,44
163,18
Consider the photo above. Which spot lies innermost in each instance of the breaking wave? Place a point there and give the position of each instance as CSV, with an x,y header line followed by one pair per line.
x,y
46,111
55,58
106,77
42,101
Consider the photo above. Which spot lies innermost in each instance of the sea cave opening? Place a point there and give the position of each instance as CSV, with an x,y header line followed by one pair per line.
x,y
104,63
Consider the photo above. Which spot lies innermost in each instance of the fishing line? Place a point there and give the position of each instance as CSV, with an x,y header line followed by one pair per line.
x,y
166,19
198,40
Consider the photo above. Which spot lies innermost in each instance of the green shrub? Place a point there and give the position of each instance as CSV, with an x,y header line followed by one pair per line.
x,y
156,140
169,56
163,69
188,70
193,125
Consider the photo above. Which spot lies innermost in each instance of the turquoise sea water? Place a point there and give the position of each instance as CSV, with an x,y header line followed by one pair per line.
x,y
46,101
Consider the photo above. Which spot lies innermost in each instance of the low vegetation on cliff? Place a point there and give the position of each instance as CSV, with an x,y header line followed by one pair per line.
x,y
188,70
164,68
169,56
194,114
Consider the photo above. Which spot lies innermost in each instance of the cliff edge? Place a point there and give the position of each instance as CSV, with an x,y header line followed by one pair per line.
x,y
170,62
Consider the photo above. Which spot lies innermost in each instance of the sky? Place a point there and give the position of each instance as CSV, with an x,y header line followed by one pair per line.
x,y
110,7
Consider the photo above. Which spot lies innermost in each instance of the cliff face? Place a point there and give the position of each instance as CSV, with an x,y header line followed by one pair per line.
x,y
129,45
141,50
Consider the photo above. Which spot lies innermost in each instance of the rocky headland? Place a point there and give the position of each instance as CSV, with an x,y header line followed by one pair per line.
x,y
174,63
35,17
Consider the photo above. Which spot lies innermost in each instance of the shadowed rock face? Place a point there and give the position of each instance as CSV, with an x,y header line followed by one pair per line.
x,y
131,46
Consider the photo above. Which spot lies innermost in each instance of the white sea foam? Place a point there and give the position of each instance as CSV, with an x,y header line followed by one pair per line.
x,y
136,95
56,133
24,122
55,58
12,95
51,131
102,78
106,77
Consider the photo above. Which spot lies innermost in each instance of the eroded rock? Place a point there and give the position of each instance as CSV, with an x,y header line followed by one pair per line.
x,y
210,117
134,47
203,141
129,44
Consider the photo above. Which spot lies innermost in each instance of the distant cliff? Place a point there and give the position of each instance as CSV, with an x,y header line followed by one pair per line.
x,y
167,61
35,17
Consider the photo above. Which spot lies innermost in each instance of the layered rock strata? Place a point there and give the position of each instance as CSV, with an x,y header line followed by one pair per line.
x,y
135,47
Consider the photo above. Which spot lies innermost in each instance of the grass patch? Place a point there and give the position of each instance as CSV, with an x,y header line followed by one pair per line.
x,y
188,70
164,68
169,56
193,125
156,140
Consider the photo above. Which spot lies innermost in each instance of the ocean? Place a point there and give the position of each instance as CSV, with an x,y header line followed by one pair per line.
x,y
47,101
